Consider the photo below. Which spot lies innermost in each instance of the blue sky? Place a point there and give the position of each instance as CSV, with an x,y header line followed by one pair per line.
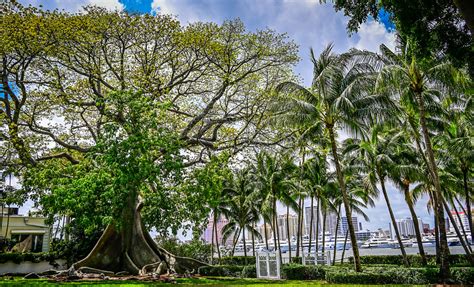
x,y
307,22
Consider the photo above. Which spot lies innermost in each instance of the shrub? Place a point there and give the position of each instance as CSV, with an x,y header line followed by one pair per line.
x,y
297,260
32,257
463,275
378,275
221,270
238,260
414,260
303,272
249,271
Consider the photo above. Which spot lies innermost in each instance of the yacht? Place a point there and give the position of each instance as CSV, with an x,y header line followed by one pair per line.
x,y
379,242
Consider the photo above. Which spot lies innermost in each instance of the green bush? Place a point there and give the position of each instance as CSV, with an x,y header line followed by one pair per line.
x,y
249,271
221,270
463,275
303,272
378,275
297,260
238,260
414,260
32,257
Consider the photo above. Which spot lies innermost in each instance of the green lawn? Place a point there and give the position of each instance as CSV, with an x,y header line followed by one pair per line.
x,y
212,282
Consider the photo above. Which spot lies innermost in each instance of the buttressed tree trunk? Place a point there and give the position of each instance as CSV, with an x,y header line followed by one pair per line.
x,y
130,248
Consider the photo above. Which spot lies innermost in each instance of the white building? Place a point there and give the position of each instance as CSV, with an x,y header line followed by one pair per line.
x,y
406,227
464,221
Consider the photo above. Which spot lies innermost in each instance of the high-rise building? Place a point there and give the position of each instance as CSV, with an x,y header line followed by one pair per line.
x,y
209,236
261,230
283,227
307,220
460,218
344,226
406,227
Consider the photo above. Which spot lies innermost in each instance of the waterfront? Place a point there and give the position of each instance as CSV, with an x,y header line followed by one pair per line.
x,y
375,251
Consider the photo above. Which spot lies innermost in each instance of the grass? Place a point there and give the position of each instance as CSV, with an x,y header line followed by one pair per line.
x,y
182,282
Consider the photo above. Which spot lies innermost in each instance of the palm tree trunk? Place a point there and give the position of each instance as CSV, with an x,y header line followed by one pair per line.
x,y
344,247
468,202
235,241
462,227
392,218
277,231
324,229
345,198
216,218
253,240
302,226
311,225
318,219
444,260
409,201
298,228
436,229
275,246
8,221
288,231
266,233
245,245
212,238
456,229
335,236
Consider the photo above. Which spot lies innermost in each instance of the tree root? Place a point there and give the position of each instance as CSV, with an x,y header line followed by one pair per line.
x,y
133,250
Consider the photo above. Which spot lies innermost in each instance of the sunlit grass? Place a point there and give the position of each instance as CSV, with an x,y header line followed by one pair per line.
x,y
182,282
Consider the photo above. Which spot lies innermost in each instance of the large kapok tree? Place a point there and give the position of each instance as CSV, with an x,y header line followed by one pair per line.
x,y
104,110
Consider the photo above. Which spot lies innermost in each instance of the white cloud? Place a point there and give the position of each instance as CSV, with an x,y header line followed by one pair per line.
x,y
372,34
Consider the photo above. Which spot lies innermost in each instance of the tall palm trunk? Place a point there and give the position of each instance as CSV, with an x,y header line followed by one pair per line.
x,y
335,236
436,234
318,203
443,240
462,227
253,240
212,239
456,229
311,225
468,202
245,244
298,228
288,231
392,218
302,227
236,240
324,229
344,247
345,198
409,201
216,218
277,231
8,221
266,233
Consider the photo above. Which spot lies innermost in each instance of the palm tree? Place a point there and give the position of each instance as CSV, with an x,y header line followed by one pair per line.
x,y
407,168
273,180
338,98
241,211
373,157
420,85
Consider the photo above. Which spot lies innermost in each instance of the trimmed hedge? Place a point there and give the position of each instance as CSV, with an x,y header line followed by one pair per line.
x,y
303,272
414,260
33,257
221,270
380,276
249,271
238,260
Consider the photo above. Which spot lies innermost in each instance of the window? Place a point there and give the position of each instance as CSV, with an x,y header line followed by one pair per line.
x,y
28,242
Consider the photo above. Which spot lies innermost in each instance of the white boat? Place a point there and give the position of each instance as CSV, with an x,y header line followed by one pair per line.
x,y
379,242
